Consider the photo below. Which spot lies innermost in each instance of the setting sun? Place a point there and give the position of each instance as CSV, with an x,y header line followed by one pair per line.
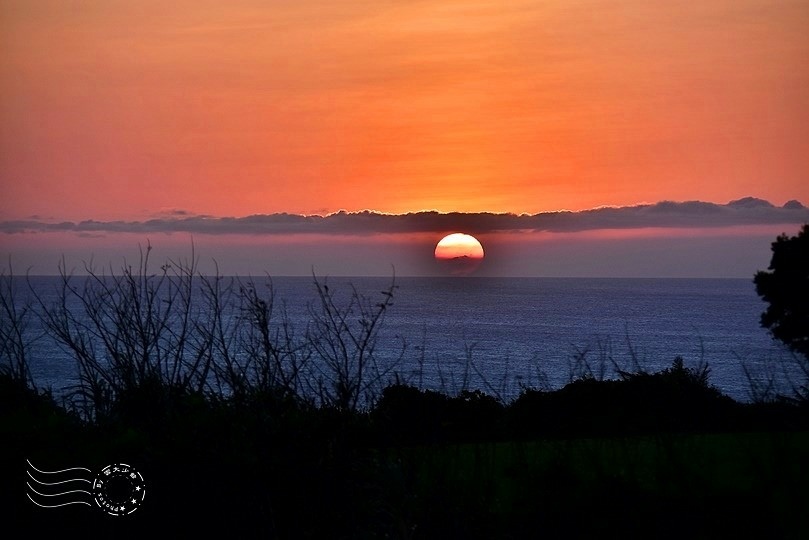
x,y
460,254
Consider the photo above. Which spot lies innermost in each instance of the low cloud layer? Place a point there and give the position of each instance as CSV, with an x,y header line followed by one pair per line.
x,y
666,214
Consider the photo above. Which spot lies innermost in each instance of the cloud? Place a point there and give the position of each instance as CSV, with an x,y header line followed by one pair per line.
x,y
665,214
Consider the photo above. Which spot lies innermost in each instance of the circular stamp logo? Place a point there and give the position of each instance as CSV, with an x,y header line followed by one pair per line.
x,y
119,489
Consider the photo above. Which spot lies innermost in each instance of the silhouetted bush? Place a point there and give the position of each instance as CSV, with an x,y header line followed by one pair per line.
x,y
408,415
15,333
674,399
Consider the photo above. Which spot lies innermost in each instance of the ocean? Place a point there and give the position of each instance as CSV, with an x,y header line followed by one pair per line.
x,y
503,335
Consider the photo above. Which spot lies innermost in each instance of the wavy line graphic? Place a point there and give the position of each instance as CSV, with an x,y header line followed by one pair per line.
x,y
56,505
57,472
57,483
55,494
52,491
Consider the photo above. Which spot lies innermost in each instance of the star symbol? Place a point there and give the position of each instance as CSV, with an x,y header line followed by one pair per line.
x,y
137,488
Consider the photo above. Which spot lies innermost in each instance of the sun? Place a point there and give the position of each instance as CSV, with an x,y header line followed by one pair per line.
x,y
459,254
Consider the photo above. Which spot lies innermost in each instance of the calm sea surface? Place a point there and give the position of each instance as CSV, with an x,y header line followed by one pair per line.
x,y
501,334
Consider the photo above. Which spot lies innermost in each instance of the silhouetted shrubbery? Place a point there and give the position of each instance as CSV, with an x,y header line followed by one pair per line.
x,y
676,399
243,427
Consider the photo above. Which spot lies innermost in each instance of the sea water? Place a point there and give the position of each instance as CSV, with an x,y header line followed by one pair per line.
x,y
501,335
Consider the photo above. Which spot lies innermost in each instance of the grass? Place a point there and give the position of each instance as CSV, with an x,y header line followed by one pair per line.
x,y
655,486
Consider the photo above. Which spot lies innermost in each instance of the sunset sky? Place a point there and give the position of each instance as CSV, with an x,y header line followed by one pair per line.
x,y
151,112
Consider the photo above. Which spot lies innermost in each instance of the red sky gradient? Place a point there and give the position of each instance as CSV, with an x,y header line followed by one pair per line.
x,y
130,110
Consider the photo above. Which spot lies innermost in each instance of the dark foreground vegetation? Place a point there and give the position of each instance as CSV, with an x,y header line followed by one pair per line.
x,y
654,455
244,428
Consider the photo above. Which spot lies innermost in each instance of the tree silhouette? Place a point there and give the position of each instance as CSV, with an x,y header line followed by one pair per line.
x,y
786,289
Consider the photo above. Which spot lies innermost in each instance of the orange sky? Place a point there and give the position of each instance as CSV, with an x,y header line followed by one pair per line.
x,y
125,110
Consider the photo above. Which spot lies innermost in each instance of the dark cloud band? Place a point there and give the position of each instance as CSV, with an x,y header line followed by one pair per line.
x,y
667,214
